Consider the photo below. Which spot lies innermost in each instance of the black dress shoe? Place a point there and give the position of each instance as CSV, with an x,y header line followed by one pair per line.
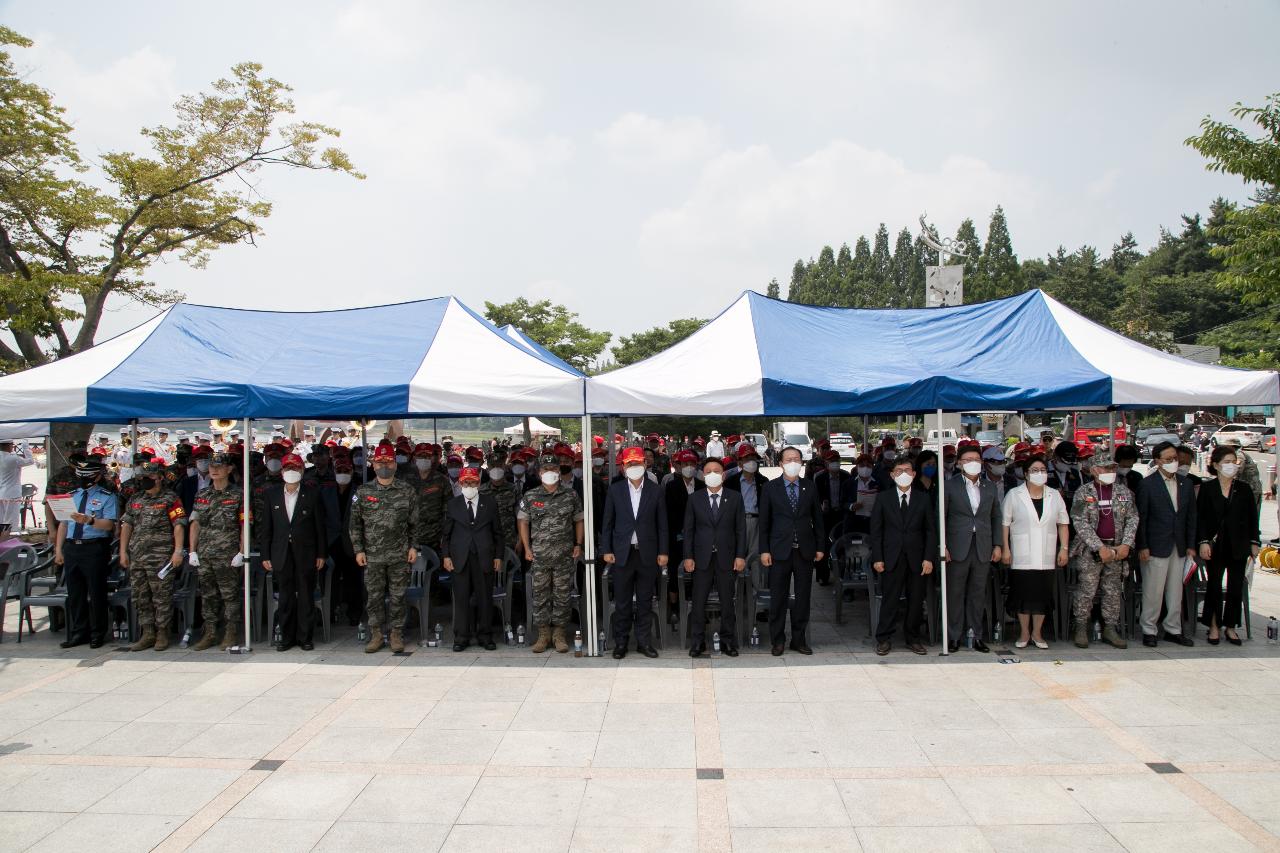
x,y
1179,639
883,647
307,646
731,651
1213,641
802,648
284,646
648,651
979,646
96,644
490,646
71,644
697,650
619,652
1235,641
460,646
1149,640
777,651
953,647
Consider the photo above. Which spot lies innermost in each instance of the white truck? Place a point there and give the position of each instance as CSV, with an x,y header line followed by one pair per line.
x,y
793,434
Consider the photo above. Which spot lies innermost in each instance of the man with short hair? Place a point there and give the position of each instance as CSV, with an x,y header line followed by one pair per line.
x,y
634,543
903,541
792,537
384,535
1166,537
973,532
748,482
715,554
11,465
1105,518
82,547
858,495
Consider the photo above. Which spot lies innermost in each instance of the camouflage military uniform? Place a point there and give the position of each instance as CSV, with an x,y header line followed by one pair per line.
x,y
152,518
220,515
1085,512
551,517
384,525
433,492
505,495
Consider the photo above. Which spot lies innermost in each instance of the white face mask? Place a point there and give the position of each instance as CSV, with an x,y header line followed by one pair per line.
x,y
292,476
1228,469
401,459
1107,478
903,480
1170,467
518,470
497,473
635,472
550,478
202,465
792,469
972,468
997,470
864,472
423,465
1038,478
470,492
191,472
597,462
1184,470
274,465
714,479
833,466
687,472
750,467
343,479
454,471
577,472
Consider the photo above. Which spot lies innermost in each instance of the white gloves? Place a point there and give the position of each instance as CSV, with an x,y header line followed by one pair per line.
x,y
237,561
193,558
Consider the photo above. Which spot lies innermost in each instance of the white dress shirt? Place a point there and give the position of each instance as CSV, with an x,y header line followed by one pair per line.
x,y
290,501
636,491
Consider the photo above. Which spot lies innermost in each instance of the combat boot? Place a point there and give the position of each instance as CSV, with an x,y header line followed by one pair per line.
x,y
1082,637
209,639
231,636
375,640
397,642
162,638
1112,636
557,637
146,641
544,640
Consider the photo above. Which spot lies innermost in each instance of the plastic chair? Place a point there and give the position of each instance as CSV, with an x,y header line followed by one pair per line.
x,y
53,599
121,598
849,556
17,564
504,582
684,601
418,596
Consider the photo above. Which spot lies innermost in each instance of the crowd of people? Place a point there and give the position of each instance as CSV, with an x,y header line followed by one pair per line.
x,y
698,510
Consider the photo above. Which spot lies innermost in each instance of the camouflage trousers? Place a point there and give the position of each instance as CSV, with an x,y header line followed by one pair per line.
x,y
221,589
386,581
1090,574
552,585
152,597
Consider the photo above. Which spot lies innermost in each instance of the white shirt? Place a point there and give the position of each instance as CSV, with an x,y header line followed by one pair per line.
x,y
974,489
11,465
290,501
715,447
637,490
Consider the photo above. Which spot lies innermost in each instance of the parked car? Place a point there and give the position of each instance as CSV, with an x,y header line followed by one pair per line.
x,y
948,437
1249,435
990,438
1146,444
842,443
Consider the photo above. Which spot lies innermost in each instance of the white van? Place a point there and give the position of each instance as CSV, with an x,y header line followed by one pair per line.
x,y
948,437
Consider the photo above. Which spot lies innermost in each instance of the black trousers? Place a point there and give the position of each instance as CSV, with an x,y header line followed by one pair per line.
x,y
348,583
720,575
85,569
634,580
893,582
781,574
1228,611
468,580
296,611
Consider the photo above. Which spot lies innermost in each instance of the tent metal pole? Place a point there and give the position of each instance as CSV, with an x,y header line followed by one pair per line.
x,y
613,452
631,430
133,438
589,550
364,454
1111,431
247,644
435,431
1023,418
866,437
942,535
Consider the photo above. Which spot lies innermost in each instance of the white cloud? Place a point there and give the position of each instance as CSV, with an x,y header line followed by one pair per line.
x,y
642,141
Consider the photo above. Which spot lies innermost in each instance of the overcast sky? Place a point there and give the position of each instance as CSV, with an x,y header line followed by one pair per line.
x,y
650,161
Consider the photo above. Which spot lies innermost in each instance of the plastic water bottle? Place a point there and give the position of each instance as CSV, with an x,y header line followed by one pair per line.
x,y
186,639
997,631
277,637
968,639
577,643
362,632
755,635
520,635
439,633
511,636
1097,630
715,642
1273,631
600,641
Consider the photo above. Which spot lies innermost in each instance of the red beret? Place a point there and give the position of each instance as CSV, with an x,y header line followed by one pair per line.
x,y
475,453
469,475
286,443
293,462
632,454
384,451
422,449
274,449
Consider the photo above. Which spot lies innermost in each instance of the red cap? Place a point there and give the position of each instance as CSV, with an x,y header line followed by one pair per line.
x,y
831,456
384,451
331,443
292,462
948,450
632,454
343,466
685,456
915,442
422,450
598,440
889,441
202,451
98,451
469,475
286,443
475,454
403,441
747,451
1085,447
274,449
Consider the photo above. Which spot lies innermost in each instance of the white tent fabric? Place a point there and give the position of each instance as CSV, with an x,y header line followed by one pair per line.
x,y
19,430
536,427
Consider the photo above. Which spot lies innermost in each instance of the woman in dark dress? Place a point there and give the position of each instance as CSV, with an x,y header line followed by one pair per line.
x,y
1227,534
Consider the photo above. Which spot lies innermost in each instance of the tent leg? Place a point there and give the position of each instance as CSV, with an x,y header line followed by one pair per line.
x,y
435,431
631,431
364,454
591,643
1111,431
133,437
866,437
613,451
942,535
247,644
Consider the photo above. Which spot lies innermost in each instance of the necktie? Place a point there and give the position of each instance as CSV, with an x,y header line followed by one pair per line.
x,y
793,493
903,506
715,506
471,507
77,531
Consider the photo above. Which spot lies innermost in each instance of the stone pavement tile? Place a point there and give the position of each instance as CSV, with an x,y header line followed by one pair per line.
x,y
762,717
236,683
901,802
1070,746
60,737
1009,683
115,707
485,838
953,714
546,749
447,746
40,705
98,679
235,740
164,683
1138,798
976,746
278,711
10,727
643,839
630,803
13,774
66,788
1264,738
1145,709
1078,838
776,749
1195,743
837,688
310,686
488,716
348,835
1255,794
108,833
785,803
1191,683
1178,837
515,801
401,798
1250,682
177,791
874,749
139,738
1013,714
302,795
646,716
648,749
847,718
643,692
913,839
559,717
195,709
22,829
817,840
916,682
756,690
551,690
278,836
382,713
490,690
1219,710
353,745
1026,800
416,688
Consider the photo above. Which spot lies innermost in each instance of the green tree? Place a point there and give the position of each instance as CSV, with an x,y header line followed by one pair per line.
x,y
844,277
797,291
906,273
998,271
68,245
554,326
1250,248
968,235
1124,254
641,345
772,290
880,283
860,282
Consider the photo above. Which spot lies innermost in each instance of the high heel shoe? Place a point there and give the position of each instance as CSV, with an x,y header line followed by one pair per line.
x,y
1235,641
1213,641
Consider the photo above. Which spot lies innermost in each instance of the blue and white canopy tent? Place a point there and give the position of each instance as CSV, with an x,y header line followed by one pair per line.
x,y
536,348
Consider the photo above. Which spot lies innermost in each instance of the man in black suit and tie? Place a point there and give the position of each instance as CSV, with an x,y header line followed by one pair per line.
x,y
633,540
473,549
715,553
904,540
293,543
791,540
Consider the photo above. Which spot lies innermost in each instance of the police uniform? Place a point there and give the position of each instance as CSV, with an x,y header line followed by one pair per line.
x,y
152,519
219,513
384,526
552,517
86,555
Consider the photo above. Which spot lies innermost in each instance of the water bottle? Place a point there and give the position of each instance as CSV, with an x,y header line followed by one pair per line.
x,y
439,633
997,631
968,639
511,637
1273,631
755,635
277,637
577,643
520,635
600,640
715,642
1097,630
115,630
362,632
186,639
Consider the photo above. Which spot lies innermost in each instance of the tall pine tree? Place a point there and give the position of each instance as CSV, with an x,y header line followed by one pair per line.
x,y
772,290
860,287
998,274
903,272
968,235
881,284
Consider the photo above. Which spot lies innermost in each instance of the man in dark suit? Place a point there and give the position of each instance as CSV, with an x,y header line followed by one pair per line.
x,y
473,549
292,541
633,542
1166,537
904,541
715,553
677,490
828,483
791,540
973,533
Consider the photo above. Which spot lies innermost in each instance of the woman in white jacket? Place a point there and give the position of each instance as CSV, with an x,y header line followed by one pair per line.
x,y
1036,532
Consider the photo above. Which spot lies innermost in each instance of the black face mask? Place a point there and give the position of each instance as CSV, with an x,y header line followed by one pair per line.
x,y
147,483
566,469
87,482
